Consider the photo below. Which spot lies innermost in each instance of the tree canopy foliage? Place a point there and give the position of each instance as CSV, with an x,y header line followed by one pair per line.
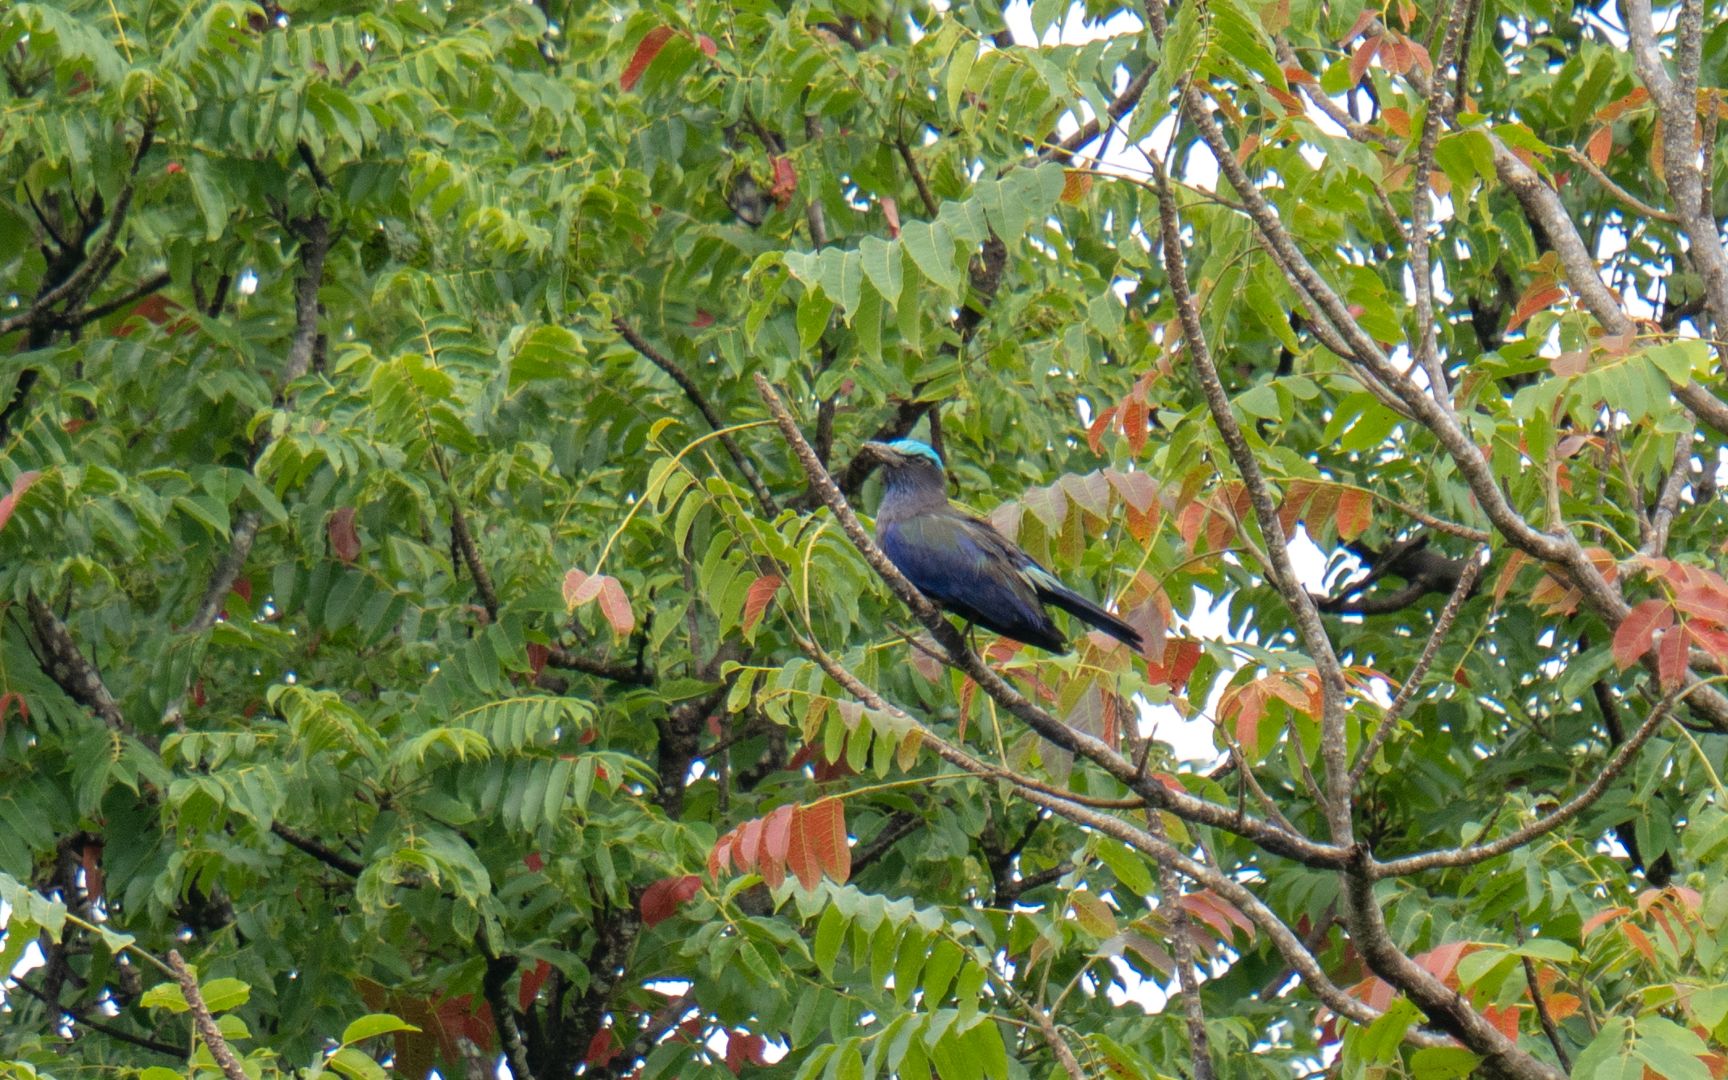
x,y
434,588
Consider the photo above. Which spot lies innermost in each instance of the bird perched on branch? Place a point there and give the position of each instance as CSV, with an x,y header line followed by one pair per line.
x,y
965,565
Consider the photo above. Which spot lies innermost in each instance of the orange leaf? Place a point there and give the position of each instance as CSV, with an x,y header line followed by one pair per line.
x,y
1639,941
800,855
1595,921
1534,300
1562,1005
785,183
707,45
1601,144
825,830
344,538
1369,14
1133,413
1508,574
756,601
1355,513
1076,185
650,46
1634,636
1505,1019
1397,119
616,607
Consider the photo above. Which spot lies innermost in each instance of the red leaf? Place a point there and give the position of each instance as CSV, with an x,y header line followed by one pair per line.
x,y
660,900
720,858
707,44
531,983
175,167
1535,300
1639,941
1179,660
825,830
756,601
740,1048
535,861
1134,413
1710,639
1355,513
344,538
1601,144
1100,426
616,607
1705,599
1633,638
1369,14
198,697
579,588
749,844
1671,658
1570,363
703,319
1362,57
800,855
601,1049
650,46
785,183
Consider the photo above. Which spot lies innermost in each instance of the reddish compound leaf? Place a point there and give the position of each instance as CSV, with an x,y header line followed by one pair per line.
x,y
756,601
1076,185
616,607
538,654
660,900
1369,14
535,861
1355,513
650,46
1180,657
703,319
777,832
1100,426
344,538
1639,941
707,45
1634,637
825,830
1596,921
601,1049
1710,639
1134,414
800,855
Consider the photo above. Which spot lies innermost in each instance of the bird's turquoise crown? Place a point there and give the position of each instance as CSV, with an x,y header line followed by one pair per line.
x,y
914,448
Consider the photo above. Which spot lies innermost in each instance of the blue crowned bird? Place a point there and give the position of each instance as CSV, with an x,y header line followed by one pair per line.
x,y
965,565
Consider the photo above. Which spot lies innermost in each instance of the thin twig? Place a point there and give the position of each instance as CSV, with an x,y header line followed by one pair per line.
x,y
1407,692
764,498
918,180
203,1022
1668,503
1182,952
105,1029
1477,853
1637,205
1540,1001
90,315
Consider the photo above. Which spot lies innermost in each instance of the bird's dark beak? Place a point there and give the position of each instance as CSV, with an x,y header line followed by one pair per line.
x,y
878,453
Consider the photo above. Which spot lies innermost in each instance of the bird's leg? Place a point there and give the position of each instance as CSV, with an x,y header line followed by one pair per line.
x,y
972,637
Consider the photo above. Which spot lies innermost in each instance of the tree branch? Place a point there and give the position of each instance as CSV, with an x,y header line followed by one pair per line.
x,y
1182,953
629,674
335,860
471,556
1537,999
1668,503
75,675
228,567
959,655
101,1028
1470,856
314,246
203,1022
85,318
1407,692
697,398
1637,205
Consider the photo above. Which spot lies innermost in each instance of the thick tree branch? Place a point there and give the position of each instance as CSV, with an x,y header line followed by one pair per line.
x,y
498,972
75,675
1668,503
126,299
335,860
203,1022
1279,567
1119,107
629,674
764,498
314,247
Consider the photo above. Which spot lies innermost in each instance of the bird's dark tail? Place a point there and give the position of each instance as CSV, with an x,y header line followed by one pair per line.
x,y
1052,591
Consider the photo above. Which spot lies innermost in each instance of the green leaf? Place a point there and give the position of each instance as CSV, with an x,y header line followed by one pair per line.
x,y
830,932
372,1025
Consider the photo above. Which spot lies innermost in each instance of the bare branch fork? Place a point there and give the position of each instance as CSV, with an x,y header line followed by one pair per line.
x,y
959,655
203,1022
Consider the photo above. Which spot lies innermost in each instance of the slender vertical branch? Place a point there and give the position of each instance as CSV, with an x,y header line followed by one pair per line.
x,y
1182,952
471,557
1540,1000
203,1022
